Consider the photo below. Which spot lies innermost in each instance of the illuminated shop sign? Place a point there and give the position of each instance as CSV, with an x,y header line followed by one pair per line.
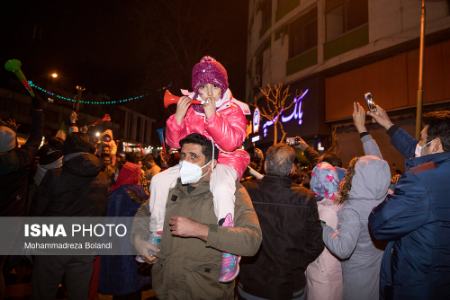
x,y
296,114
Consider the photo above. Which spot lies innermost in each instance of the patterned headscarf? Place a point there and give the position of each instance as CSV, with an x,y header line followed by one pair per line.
x,y
325,181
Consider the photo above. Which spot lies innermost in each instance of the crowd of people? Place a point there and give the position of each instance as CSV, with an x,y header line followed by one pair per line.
x,y
215,221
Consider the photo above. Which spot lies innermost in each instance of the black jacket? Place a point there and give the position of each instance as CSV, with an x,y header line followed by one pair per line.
x,y
16,167
79,188
292,238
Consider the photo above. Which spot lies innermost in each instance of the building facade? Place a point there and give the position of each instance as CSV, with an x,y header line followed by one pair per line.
x,y
345,48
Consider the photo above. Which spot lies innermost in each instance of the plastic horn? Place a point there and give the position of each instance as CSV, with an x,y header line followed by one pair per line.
x,y
170,99
14,65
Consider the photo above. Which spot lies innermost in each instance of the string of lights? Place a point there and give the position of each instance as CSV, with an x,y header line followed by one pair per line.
x,y
93,102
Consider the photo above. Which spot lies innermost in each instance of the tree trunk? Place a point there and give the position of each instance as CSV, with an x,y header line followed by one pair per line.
x,y
275,133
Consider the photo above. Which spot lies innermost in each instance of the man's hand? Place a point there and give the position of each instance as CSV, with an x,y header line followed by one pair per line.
x,y
144,249
210,107
301,143
186,227
381,117
182,107
359,117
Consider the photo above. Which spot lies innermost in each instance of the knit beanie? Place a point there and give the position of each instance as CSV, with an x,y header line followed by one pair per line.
x,y
7,139
209,70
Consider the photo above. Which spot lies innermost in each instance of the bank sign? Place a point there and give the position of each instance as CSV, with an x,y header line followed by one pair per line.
x,y
293,116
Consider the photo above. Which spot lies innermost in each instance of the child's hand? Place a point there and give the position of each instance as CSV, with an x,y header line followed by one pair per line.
x,y
210,107
182,107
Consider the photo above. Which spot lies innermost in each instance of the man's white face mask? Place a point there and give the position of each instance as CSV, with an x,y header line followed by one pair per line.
x,y
191,173
419,149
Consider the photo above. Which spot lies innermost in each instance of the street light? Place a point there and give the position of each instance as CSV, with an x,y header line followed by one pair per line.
x,y
54,75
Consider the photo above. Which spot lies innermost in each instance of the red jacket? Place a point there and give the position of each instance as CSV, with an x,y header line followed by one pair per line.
x,y
227,128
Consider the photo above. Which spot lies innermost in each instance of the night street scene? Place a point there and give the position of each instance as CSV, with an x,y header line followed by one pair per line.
x,y
212,149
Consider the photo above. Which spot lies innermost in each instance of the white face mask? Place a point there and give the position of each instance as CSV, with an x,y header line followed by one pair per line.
x,y
419,149
191,173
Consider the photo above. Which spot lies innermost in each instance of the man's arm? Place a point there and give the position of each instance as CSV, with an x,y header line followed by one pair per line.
x,y
342,241
140,233
243,239
402,212
310,153
400,139
370,146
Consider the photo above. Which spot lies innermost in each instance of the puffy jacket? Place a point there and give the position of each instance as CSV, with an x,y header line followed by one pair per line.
x,y
227,128
292,238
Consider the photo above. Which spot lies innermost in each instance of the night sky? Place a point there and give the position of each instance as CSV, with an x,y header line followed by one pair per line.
x,y
123,48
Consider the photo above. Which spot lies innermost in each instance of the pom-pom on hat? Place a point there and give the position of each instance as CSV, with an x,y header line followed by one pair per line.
x,y
209,70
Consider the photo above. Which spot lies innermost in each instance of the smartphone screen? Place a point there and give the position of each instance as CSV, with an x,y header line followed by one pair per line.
x,y
370,102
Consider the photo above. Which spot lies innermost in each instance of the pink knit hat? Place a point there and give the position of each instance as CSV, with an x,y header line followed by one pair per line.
x,y
209,70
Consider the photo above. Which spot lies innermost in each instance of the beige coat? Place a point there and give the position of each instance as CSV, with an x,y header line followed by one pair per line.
x,y
188,268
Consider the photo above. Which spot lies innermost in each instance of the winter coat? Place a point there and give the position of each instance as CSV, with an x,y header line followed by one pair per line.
x,y
188,268
16,167
227,128
416,221
123,269
352,241
324,275
79,188
292,238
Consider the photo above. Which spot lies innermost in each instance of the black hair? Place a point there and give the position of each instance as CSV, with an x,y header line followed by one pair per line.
x,y
78,142
196,138
133,157
332,159
438,127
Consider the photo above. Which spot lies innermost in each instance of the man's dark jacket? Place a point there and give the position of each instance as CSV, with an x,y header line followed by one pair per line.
x,y
16,167
79,188
292,238
416,221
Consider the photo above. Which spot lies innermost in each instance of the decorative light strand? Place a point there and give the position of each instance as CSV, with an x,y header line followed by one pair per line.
x,y
94,102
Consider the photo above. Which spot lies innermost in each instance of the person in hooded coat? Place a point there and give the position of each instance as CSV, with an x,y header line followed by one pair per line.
x,y
364,187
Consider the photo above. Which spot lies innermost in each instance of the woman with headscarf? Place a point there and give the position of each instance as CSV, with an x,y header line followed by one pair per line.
x,y
324,275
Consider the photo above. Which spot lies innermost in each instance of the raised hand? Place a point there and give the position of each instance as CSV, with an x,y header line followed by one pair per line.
x,y
381,117
210,107
359,117
182,107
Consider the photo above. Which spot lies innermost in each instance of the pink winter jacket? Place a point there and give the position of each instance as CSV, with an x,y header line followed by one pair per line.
x,y
227,128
